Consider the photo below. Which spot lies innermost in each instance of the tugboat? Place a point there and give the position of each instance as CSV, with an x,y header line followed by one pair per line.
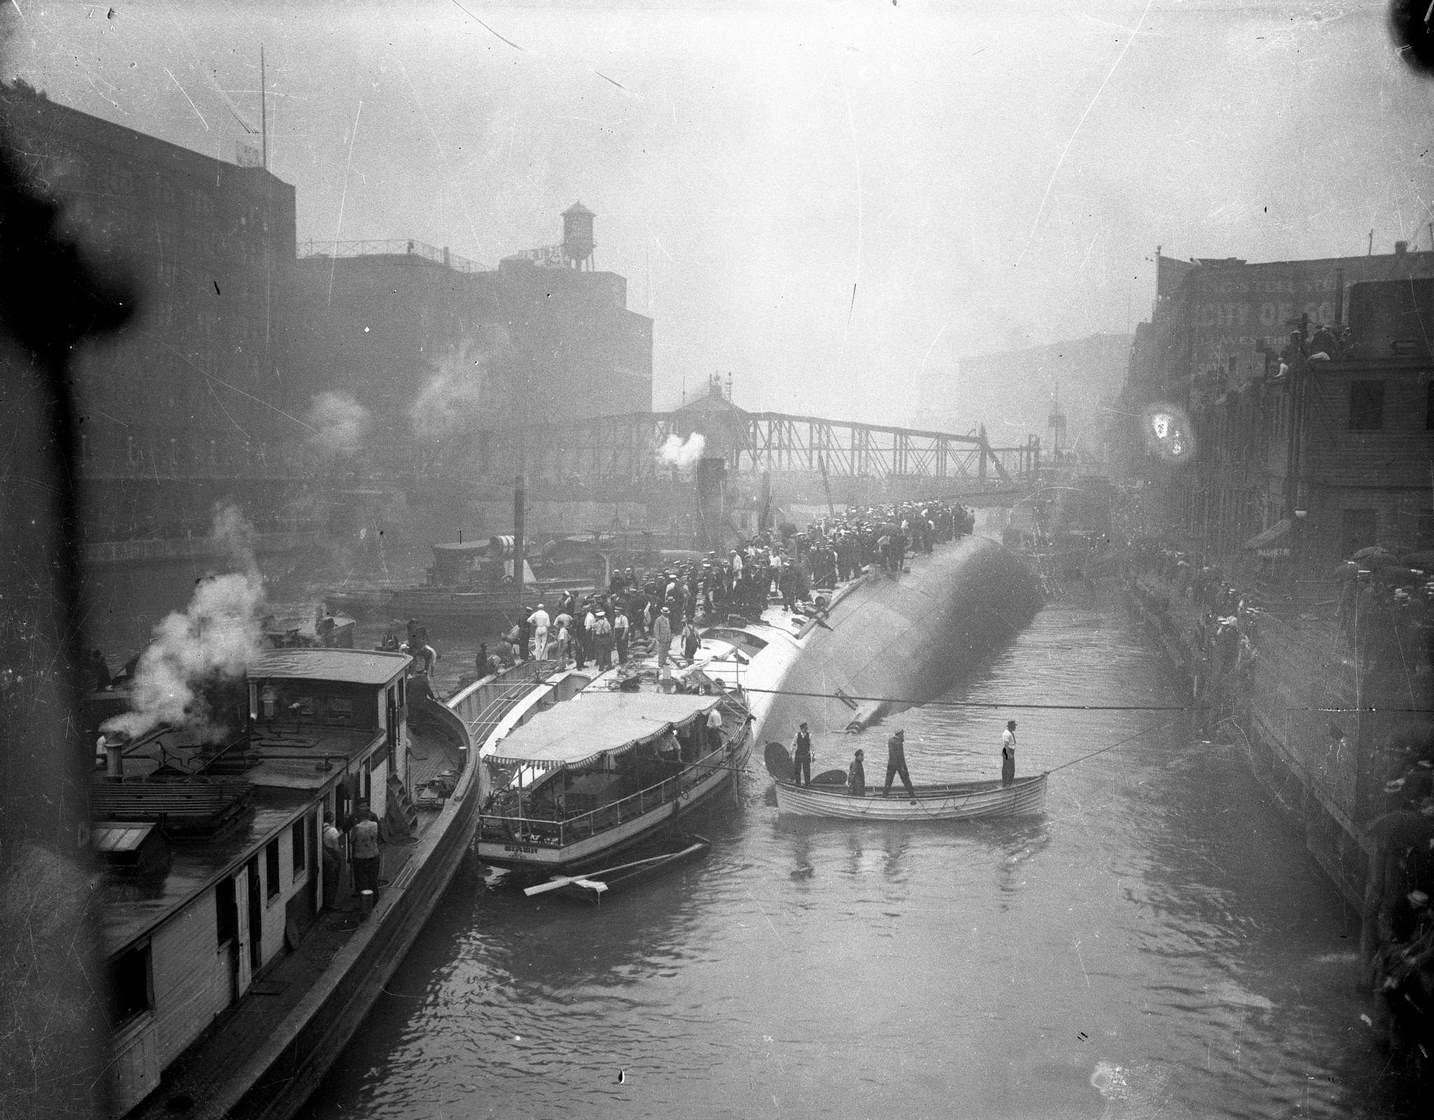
x,y
469,583
239,962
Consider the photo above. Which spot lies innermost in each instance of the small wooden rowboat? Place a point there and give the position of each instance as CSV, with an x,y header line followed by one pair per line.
x,y
948,801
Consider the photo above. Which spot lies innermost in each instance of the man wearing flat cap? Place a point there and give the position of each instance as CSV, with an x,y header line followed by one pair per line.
x,y
802,756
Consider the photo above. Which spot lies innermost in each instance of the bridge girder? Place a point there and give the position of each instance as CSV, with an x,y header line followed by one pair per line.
x,y
626,447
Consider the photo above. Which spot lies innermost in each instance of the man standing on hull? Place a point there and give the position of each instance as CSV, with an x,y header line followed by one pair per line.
x,y
1008,753
539,621
896,763
662,636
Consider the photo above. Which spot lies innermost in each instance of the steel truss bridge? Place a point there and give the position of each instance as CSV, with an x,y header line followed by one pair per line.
x,y
626,449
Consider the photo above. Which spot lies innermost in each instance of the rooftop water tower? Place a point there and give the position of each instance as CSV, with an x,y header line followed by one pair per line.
x,y
578,236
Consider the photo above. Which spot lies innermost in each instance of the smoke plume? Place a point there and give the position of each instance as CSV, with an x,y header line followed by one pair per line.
x,y
340,424
449,403
682,453
211,641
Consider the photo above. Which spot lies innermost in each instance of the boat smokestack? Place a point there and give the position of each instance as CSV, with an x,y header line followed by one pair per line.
x,y
711,501
114,759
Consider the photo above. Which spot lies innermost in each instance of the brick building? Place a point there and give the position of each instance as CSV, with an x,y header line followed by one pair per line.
x,y
438,350
1303,391
191,396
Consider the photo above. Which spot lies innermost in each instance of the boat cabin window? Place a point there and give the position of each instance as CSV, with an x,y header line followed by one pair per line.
x,y
292,706
131,987
299,836
749,644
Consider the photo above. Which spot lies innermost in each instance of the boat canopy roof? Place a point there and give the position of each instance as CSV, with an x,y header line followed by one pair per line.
x,y
594,723
355,666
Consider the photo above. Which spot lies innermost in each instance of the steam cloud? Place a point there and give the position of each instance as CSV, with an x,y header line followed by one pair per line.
x,y
682,453
212,640
449,402
340,424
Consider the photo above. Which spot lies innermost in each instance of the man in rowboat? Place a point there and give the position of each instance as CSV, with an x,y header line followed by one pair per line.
x,y
896,763
856,776
802,756
1008,753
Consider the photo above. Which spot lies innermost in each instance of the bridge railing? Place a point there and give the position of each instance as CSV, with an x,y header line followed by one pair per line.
x,y
611,448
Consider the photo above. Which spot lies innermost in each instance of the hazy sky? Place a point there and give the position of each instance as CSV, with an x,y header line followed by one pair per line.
x,y
834,200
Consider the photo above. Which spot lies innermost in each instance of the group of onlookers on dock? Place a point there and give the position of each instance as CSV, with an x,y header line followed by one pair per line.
x,y
1383,606
1379,615
1398,927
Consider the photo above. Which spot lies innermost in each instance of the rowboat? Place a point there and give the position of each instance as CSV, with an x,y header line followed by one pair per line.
x,y
593,885
951,801
946,801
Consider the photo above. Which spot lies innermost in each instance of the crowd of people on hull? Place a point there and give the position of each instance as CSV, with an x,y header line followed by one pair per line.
x,y
673,603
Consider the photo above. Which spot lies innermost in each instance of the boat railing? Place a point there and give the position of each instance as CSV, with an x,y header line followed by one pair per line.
x,y
484,703
556,832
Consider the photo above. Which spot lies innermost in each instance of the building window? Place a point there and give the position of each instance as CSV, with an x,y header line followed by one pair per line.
x,y
1366,406
131,989
271,869
301,850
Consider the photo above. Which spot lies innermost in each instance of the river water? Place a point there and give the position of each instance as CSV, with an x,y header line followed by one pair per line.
x,y
1158,944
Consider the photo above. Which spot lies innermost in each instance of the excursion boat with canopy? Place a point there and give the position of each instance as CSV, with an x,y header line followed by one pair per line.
x,y
594,766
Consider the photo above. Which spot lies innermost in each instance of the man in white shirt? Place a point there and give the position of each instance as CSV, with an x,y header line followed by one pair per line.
x,y
1008,753
620,627
539,621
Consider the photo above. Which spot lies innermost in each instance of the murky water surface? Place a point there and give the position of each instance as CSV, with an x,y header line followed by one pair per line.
x,y
1158,944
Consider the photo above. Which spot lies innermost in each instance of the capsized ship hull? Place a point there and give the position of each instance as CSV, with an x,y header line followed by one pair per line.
x,y
904,640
